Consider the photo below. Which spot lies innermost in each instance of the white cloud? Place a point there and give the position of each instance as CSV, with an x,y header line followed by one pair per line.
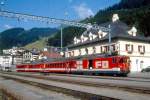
x,y
8,26
70,1
83,11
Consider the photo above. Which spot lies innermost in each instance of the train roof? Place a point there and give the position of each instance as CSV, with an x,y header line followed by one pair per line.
x,y
75,58
80,57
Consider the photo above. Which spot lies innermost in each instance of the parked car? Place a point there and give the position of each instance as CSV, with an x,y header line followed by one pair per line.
x,y
147,69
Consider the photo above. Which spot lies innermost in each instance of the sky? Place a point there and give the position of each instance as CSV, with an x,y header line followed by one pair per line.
x,y
60,9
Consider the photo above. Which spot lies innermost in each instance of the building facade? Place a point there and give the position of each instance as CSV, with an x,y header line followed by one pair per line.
x,y
5,61
124,41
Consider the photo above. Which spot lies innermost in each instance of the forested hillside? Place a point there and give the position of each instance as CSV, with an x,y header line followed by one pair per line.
x,y
20,37
132,12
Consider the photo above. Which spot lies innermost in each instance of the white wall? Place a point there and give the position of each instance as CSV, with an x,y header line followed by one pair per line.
x,y
5,61
135,56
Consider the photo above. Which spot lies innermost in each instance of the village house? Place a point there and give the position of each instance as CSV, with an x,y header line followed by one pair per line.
x,y
124,41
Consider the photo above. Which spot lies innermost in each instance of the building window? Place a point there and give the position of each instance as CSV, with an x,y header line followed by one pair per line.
x,y
94,50
79,52
72,53
69,54
100,36
101,49
106,48
129,48
141,49
141,64
86,51
113,48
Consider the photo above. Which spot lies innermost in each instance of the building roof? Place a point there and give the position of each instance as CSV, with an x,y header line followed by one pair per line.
x,y
50,55
118,30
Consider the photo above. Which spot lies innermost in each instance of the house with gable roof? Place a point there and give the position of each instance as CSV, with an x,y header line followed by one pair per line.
x,y
124,41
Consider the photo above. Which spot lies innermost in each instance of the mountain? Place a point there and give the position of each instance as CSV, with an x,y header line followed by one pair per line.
x,y
39,44
21,37
129,4
132,12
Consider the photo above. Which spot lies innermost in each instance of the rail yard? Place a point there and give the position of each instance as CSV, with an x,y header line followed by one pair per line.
x,y
74,50
82,86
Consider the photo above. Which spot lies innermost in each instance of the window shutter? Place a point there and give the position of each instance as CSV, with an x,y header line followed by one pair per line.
x,y
131,47
126,47
144,49
101,48
139,47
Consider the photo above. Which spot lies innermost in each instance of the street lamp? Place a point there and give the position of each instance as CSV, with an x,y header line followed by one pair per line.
x,y
61,32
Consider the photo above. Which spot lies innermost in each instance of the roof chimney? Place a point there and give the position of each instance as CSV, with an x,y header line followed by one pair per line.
x,y
115,18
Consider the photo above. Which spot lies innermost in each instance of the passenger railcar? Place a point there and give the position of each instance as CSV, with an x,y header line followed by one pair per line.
x,y
96,65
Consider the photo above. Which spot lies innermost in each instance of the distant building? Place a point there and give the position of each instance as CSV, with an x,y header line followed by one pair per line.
x,y
5,61
50,53
27,56
30,55
17,59
11,57
125,41
13,51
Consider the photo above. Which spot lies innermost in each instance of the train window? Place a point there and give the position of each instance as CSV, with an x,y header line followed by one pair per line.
x,y
125,60
114,60
128,60
121,60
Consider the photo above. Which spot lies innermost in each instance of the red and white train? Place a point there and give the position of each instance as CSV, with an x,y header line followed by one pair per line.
x,y
118,65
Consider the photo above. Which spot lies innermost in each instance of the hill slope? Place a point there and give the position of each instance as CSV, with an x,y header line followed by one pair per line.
x,y
39,44
21,37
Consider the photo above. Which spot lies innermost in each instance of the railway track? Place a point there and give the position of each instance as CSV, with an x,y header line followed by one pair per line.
x,y
134,79
60,77
82,82
77,94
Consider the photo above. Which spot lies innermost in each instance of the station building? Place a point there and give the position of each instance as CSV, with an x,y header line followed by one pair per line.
x,y
124,41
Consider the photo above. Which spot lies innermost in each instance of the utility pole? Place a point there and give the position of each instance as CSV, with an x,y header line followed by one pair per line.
x,y
110,51
61,32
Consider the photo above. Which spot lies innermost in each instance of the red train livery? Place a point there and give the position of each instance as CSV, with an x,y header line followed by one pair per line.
x,y
96,65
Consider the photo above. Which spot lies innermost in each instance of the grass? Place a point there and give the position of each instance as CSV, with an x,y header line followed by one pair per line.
x,y
40,44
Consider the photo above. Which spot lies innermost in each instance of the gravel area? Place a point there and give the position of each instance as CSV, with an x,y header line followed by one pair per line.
x,y
28,92
140,75
136,83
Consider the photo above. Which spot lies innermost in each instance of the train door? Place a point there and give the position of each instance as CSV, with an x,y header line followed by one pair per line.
x,y
67,67
90,66
79,65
